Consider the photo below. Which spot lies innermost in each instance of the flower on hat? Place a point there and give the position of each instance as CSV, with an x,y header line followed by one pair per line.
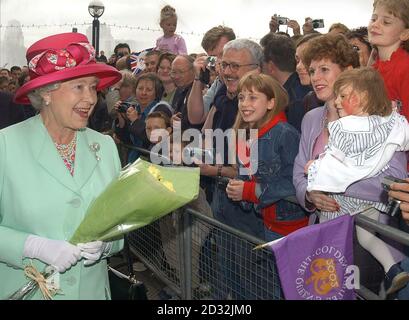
x,y
56,60
62,57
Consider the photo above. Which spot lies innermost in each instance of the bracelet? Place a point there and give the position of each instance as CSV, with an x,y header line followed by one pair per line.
x,y
219,170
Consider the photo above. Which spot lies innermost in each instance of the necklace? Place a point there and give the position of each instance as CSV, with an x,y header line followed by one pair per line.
x,y
67,153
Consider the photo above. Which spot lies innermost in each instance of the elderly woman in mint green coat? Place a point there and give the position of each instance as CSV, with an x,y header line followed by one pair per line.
x,y
52,167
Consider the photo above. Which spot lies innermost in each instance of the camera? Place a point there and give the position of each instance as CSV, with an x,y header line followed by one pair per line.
x,y
222,181
210,65
282,20
211,62
394,204
388,180
318,23
204,155
124,106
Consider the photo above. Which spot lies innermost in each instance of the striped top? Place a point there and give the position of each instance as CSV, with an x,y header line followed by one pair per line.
x,y
358,148
364,142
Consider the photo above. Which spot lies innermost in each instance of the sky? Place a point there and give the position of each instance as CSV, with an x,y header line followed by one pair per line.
x,y
248,18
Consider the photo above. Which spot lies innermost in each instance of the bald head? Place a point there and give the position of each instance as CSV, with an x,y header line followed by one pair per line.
x,y
182,71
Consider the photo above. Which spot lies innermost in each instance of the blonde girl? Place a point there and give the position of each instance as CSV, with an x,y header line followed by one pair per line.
x,y
388,32
170,42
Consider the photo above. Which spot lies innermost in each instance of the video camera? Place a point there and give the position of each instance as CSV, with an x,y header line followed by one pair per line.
x,y
210,65
394,204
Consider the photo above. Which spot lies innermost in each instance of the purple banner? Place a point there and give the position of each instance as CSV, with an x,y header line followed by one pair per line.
x,y
312,262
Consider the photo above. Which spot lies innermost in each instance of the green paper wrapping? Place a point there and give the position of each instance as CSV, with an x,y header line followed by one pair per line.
x,y
141,194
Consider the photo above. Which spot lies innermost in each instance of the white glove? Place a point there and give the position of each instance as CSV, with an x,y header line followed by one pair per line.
x,y
93,251
57,253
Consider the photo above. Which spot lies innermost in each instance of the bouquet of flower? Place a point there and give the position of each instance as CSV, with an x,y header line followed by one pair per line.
x,y
142,193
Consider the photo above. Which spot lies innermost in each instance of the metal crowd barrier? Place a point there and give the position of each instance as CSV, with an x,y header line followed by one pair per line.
x,y
381,229
201,258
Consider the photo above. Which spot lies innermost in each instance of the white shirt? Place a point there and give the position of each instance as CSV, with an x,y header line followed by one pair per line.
x,y
358,148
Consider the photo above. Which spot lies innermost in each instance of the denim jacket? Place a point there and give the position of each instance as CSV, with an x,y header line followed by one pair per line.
x,y
277,150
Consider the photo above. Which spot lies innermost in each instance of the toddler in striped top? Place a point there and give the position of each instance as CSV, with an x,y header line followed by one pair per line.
x,y
361,144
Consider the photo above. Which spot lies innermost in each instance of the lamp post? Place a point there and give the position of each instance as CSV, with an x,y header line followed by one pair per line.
x,y
96,9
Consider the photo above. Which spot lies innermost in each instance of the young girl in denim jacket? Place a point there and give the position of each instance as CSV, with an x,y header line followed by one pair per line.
x,y
266,160
388,32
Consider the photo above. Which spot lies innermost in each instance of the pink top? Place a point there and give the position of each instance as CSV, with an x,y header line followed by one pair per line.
x,y
319,145
175,44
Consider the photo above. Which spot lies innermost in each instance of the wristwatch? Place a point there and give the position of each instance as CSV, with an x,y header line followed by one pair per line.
x,y
219,170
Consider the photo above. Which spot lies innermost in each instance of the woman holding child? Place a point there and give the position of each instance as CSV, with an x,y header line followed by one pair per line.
x,y
326,58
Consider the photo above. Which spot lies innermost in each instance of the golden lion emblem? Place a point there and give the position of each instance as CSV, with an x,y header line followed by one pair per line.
x,y
324,275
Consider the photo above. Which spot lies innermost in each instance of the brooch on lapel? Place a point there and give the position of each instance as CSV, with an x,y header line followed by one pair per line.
x,y
95,148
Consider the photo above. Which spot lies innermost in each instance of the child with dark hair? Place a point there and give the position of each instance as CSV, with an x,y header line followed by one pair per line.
x,y
158,125
359,39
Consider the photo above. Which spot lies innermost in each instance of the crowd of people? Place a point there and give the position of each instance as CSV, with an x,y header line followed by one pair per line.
x,y
330,113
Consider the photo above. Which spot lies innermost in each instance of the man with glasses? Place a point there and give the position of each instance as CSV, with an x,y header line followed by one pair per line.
x,y
213,41
239,57
183,75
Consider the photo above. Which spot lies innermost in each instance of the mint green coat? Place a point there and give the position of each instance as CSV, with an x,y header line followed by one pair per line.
x,y
39,196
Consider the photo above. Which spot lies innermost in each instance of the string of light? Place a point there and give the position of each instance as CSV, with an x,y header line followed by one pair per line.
x,y
114,25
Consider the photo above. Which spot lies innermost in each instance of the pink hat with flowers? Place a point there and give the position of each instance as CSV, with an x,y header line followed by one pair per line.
x,y
63,57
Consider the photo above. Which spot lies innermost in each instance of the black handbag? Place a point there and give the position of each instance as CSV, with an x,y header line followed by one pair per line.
x,y
126,287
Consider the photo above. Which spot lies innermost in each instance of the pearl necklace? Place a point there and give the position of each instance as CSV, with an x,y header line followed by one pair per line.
x,y
67,153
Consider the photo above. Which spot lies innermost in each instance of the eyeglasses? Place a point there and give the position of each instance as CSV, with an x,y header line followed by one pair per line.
x,y
178,72
235,66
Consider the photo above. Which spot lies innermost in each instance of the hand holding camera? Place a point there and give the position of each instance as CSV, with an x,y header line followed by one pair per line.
x,y
209,65
121,116
274,24
132,114
293,24
311,24
307,26
199,64
398,191
123,107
